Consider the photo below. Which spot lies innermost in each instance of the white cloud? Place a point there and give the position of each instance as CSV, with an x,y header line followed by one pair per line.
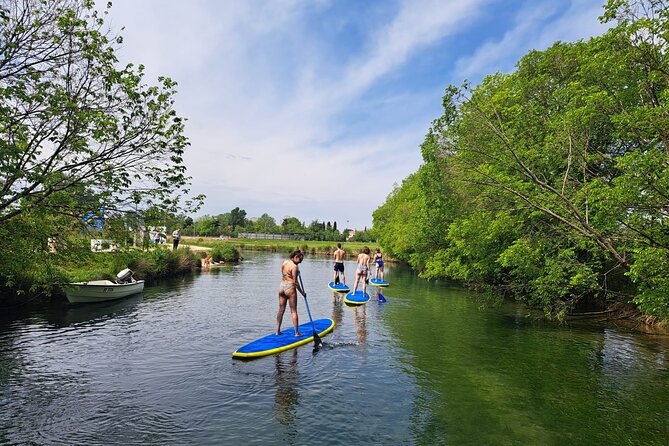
x,y
534,28
263,101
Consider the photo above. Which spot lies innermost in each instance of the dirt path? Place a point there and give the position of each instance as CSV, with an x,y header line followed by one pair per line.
x,y
194,247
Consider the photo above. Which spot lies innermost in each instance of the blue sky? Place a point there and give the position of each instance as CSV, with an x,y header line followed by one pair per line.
x,y
316,108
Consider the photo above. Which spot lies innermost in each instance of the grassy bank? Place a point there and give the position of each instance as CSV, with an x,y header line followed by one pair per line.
x,y
284,246
40,283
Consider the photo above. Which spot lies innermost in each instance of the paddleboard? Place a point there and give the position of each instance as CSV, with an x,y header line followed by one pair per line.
x,y
379,282
271,344
357,298
339,288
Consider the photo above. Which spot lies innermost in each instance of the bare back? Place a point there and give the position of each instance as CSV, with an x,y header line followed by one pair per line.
x,y
363,259
339,255
289,271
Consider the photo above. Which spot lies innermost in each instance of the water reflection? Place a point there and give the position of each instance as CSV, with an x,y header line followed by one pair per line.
x,y
286,397
436,368
337,309
360,323
84,313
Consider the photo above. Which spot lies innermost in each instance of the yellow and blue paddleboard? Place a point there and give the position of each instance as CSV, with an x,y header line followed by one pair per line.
x,y
287,340
339,288
378,282
357,298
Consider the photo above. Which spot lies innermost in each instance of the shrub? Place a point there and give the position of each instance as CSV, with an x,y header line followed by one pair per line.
x,y
225,253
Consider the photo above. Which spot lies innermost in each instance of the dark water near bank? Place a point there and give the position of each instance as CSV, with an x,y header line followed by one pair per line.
x,y
429,367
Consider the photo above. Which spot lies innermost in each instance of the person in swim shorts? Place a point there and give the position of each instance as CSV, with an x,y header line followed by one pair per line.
x,y
288,290
339,256
362,272
378,259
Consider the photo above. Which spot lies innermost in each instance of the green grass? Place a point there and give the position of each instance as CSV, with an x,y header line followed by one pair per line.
x,y
287,246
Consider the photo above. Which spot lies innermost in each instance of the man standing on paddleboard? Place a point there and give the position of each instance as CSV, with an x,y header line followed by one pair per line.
x,y
339,256
288,290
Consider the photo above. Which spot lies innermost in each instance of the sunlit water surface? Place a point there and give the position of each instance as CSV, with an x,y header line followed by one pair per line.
x,y
431,366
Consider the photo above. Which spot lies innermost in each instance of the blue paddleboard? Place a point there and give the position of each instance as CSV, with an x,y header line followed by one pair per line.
x,y
357,298
378,282
274,343
340,287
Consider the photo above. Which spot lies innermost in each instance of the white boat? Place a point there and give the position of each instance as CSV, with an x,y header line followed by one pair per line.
x,y
103,290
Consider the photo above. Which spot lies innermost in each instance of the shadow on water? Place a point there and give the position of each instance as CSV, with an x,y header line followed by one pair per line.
x,y
67,315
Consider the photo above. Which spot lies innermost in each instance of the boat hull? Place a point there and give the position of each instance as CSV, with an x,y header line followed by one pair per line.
x,y
100,290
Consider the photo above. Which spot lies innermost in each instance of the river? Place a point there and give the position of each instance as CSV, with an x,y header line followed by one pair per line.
x,y
431,366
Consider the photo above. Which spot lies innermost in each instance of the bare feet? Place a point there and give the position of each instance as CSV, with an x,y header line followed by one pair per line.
x,y
299,335
278,333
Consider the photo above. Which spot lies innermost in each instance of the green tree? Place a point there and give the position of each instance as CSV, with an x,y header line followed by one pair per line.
x,y
78,133
238,218
546,180
205,226
70,120
266,223
292,225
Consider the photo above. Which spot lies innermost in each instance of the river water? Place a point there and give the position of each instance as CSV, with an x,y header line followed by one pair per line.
x,y
431,366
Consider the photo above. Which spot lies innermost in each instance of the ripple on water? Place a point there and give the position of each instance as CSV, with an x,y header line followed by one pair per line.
x,y
427,366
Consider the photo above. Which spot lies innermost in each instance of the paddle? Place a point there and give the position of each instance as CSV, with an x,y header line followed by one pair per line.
x,y
317,339
381,297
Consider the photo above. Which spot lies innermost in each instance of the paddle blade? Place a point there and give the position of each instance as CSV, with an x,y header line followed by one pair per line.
x,y
317,340
382,298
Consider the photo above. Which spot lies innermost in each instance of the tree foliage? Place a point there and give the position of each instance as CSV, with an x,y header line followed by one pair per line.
x,y
550,180
76,131
78,135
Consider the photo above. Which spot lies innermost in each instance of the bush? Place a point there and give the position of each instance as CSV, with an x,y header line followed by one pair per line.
x,y
225,253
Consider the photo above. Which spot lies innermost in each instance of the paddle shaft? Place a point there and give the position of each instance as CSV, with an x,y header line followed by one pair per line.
x,y
317,339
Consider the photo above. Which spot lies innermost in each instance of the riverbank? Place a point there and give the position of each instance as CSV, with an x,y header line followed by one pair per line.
x,y
286,246
41,285
620,315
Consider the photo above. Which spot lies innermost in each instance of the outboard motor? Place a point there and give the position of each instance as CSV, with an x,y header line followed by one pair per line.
x,y
125,276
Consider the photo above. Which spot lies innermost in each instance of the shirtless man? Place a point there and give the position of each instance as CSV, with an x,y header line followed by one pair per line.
x,y
362,273
288,289
339,256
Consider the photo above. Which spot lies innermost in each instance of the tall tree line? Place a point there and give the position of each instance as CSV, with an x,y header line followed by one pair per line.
x,y
233,222
551,182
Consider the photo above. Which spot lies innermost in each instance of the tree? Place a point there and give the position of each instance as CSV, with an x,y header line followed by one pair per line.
x,y
266,223
72,122
238,218
205,226
292,225
550,179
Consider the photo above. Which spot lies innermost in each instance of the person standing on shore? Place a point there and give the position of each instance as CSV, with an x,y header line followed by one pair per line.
x,y
288,289
339,256
176,236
